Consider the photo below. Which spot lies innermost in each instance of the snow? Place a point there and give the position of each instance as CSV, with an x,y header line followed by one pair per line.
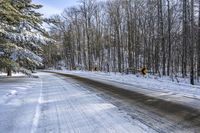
x,y
40,105
23,54
1,53
24,36
23,44
13,92
70,107
18,101
3,75
161,88
38,110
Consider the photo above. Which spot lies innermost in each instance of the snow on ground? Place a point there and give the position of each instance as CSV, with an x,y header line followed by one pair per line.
x,y
162,88
18,102
2,74
49,104
70,108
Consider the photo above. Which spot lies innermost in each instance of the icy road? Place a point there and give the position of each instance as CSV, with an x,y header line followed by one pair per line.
x,y
58,104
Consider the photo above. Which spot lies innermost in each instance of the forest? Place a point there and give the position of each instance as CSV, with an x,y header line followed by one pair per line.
x,y
127,35
122,36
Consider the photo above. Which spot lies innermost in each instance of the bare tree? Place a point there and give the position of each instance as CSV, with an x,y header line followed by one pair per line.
x,y
119,36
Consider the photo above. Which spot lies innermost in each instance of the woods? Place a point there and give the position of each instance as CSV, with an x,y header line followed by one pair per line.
x,y
124,36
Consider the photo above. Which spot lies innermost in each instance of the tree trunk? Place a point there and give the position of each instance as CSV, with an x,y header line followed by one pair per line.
x,y
9,72
198,47
192,45
161,35
169,39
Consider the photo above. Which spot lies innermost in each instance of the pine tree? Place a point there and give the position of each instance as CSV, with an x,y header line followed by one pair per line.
x,y
21,35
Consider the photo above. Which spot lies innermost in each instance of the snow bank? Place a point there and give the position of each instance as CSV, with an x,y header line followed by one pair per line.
x,y
2,74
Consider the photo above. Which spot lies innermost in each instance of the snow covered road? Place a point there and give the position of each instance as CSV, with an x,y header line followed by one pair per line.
x,y
164,116
70,108
18,103
51,104
56,103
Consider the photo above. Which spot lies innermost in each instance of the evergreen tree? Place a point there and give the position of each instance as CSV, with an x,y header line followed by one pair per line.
x,y
21,35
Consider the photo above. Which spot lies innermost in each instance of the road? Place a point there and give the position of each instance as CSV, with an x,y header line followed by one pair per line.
x,y
55,103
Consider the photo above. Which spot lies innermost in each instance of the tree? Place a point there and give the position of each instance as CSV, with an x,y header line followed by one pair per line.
x,y
88,8
21,34
169,38
161,34
128,35
198,44
185,39
192,45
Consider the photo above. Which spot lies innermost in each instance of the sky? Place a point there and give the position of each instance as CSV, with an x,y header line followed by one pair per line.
x,y
51,7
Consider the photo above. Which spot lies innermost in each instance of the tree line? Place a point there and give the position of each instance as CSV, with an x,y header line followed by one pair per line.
x,y
127,35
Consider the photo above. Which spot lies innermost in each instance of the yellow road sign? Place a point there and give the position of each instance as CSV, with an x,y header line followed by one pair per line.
x,y
144,71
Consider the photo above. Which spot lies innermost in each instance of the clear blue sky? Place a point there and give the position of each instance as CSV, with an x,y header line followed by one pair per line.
x,y
51,7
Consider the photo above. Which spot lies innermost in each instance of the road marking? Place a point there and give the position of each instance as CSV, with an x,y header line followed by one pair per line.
x,y
38,111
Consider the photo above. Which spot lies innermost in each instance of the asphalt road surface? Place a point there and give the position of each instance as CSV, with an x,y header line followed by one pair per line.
x,y
56,103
